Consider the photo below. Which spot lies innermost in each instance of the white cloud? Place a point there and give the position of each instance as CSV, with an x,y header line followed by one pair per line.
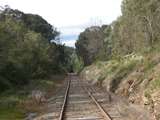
x,y
70,13
71,30
70,43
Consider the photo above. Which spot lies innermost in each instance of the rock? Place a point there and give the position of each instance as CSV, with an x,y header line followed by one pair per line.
x,y
156,102
145,100
31,116
87,72
38,96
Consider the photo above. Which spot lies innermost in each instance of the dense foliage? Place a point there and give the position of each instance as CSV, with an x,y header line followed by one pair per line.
x,y
25,49
135,31
76,63
33,22
89,43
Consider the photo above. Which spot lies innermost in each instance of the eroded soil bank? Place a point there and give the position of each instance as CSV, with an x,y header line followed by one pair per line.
x,y
133,77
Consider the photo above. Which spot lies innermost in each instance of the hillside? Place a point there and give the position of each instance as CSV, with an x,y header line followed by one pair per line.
x,y
127,61
135,77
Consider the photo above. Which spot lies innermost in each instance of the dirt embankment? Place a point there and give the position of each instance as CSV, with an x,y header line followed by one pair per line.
x,y
134,76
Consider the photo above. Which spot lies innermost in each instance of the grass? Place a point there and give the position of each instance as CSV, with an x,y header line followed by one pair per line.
x,y
114,70
8,105
10,108
11,113
155,84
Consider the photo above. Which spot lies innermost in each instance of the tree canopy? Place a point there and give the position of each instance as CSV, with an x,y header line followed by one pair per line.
x,y
26,51
136,30
89,43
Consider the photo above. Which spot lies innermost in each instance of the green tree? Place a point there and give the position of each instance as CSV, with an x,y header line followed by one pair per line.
x,y
26,53
89,44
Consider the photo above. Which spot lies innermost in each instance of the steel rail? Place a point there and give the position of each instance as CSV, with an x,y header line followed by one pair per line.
x,y
105,115
103,112
65,101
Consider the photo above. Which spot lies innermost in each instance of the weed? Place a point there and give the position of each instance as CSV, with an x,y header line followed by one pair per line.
x,y
155,84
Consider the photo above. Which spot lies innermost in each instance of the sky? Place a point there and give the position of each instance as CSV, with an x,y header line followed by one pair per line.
x,y
70,17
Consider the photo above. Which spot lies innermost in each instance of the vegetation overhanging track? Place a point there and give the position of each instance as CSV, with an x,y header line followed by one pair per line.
x,y
65,101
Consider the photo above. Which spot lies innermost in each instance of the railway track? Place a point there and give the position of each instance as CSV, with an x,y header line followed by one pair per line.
x,y
80,101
